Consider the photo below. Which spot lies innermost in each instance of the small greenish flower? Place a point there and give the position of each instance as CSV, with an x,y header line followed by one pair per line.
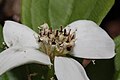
x,y
82,39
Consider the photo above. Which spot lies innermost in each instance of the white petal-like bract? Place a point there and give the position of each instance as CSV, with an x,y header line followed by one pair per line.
x,y
16,56
92,41
18,34
69,69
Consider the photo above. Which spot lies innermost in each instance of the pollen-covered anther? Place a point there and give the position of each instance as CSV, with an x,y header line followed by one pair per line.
x,y
58,42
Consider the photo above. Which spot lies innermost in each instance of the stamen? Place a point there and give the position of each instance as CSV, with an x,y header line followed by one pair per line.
x,y
50,30
69,48
72,36
48,35
56,33
61,29
69,32
44,32
55,42
67,40
39,40
65,32
61,37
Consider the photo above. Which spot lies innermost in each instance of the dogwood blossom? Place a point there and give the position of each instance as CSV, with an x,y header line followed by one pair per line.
x,y
82,38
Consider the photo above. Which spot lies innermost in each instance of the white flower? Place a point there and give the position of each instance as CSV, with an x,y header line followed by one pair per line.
x,y
91,42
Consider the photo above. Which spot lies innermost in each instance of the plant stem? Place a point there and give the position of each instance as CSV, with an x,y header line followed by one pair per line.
x,y
51,72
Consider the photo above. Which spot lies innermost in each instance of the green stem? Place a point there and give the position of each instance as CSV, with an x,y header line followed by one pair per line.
x,y
50,73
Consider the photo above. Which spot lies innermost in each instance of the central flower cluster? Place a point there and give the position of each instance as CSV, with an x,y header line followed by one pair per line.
x,y
55,42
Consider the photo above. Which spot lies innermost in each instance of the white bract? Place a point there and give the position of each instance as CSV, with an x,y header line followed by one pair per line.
x,y
82,38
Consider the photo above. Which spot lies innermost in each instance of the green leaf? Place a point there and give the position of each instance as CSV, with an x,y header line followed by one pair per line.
x,y
62,12
39,12
117,58
91,9
117,75
1,38
26,13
